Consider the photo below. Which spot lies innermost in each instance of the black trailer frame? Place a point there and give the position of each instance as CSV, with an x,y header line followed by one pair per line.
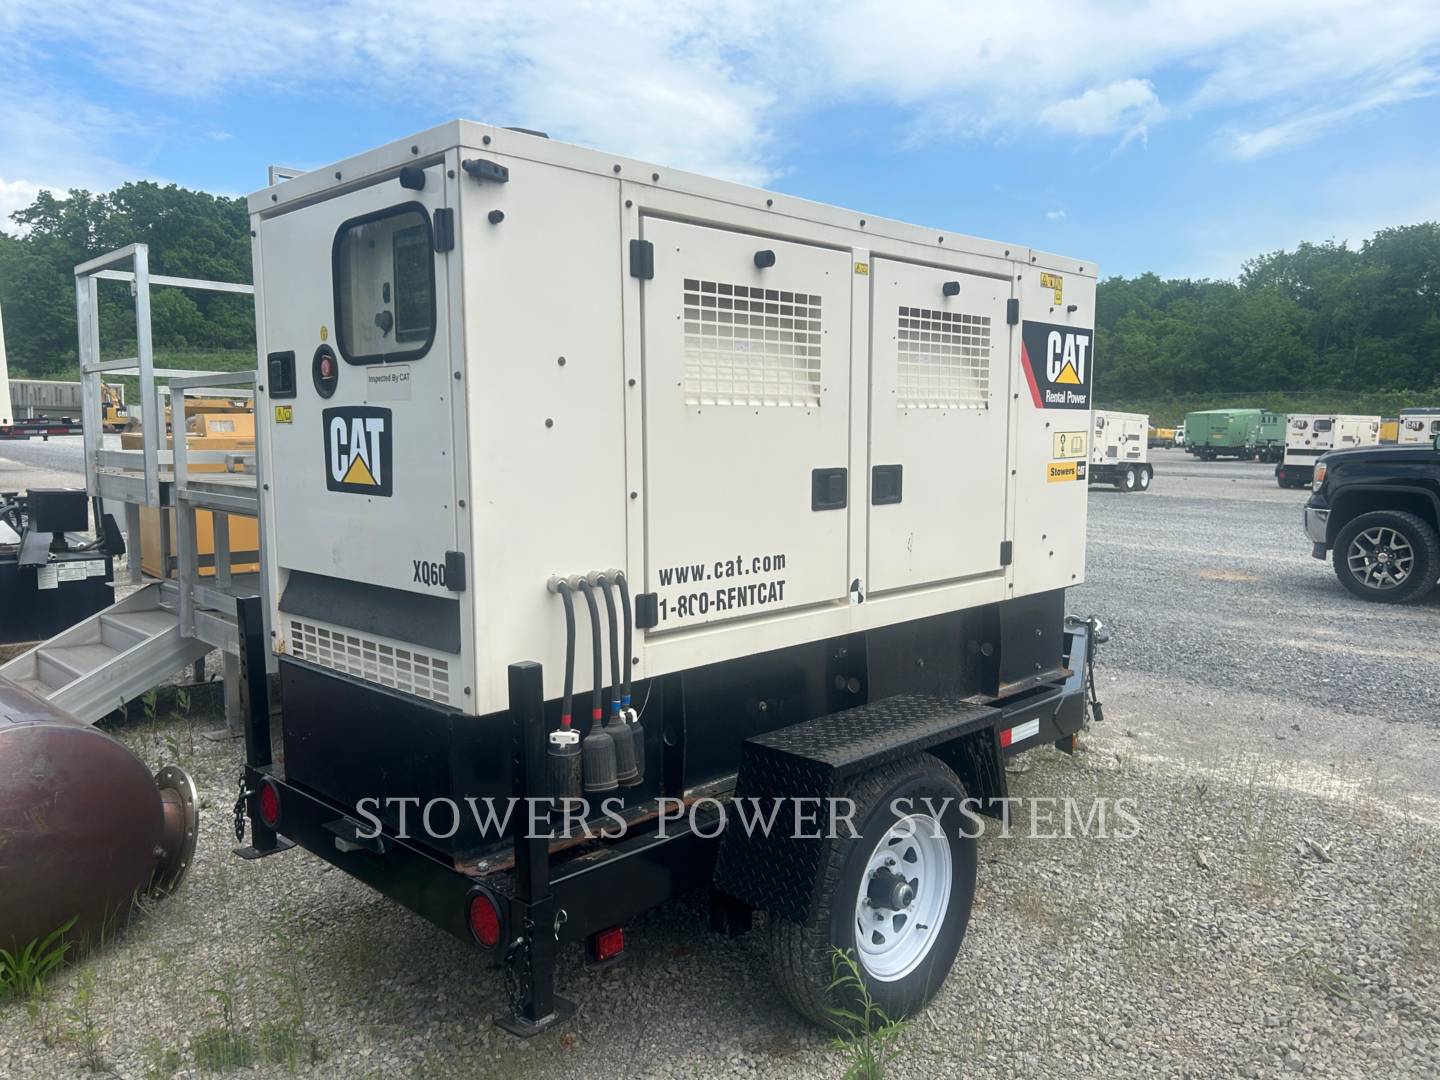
x,y
550,890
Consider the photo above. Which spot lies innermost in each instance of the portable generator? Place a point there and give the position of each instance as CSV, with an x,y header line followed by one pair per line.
x,y
749,478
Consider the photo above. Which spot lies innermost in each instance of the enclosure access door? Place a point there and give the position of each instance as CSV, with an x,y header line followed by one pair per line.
x,y
357,358
747,355
939,395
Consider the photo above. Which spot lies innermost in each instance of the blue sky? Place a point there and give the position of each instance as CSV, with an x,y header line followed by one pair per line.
x,y
1179,137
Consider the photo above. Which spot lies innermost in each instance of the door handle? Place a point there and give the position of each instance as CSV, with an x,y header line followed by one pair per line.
x,y
829,489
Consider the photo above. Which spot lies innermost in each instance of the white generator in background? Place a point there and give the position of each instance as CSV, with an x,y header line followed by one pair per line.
x,y
1418,427
1120,452
1308,435
822,473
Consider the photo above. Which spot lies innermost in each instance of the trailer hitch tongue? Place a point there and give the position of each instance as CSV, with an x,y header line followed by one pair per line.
x,y
889,890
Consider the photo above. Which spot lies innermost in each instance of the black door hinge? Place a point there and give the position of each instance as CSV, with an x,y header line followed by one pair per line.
x,y
1012,311
444,229
642,259
455,571
1005,552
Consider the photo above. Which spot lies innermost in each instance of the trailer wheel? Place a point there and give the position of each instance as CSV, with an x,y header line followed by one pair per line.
x,y
1127,480
1145,474
897,897
1389,556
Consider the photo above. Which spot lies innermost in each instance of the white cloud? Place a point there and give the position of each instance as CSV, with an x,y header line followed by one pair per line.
x,y
51,140
1315,122
1126,108
1055,215
705,86
14,195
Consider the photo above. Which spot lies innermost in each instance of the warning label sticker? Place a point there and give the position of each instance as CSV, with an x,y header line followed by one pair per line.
x,y
1059,472
1069,444
1057,364
1053,281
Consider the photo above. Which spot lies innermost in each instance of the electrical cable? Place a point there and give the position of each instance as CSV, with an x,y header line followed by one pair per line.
x,y
604,583
619,576
596,646
563,588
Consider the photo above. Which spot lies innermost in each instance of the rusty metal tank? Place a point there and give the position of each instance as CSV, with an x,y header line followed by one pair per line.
x,y
85,830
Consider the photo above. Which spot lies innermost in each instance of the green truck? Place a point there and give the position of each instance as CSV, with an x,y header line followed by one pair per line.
x,y
1246,434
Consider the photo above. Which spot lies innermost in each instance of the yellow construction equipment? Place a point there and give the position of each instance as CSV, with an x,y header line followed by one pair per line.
x,y
228,426
1162,436
113,414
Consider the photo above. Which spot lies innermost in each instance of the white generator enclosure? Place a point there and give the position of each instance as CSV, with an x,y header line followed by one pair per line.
x,y
1418,426
1120,450
491,359
1308,435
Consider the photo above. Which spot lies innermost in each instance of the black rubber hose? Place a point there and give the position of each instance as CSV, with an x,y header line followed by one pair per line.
x,y
604,583
596,635
565,709
625,611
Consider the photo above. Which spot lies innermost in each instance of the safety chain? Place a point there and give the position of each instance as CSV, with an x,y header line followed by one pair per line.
x,y
1092,705
519,953
245,793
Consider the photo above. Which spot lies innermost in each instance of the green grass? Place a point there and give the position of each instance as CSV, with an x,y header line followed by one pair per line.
x,y
24,971
868,1039
1170,410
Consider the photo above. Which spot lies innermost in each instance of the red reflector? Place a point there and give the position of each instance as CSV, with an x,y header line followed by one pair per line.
x,y
608,943
484,921
1005,737
269,804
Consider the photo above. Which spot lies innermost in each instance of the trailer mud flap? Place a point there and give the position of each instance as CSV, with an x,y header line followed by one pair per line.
x,y
779,869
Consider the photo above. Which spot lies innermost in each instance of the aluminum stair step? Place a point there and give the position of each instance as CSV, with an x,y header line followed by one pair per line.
x,y
122,630
35,686
76,661
115,656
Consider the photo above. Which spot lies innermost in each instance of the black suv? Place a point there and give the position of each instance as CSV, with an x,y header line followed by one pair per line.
x,y
1378,509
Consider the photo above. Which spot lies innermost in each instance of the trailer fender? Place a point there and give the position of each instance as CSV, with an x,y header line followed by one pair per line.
x,y
778,869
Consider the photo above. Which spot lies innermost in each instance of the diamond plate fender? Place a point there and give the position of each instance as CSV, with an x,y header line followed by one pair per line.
x,y
779,871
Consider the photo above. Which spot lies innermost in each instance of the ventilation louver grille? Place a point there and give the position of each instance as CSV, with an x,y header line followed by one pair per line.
x,y
944,360
395,666
745,345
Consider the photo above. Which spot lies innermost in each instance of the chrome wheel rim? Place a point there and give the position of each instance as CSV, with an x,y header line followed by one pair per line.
x,y
1380,558
903,897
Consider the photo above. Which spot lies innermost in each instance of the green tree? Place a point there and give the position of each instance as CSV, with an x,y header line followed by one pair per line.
x,y
190,233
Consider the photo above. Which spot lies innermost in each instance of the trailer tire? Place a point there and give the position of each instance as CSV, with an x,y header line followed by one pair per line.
x,y
1145,474
1400,536
1127,480
802,954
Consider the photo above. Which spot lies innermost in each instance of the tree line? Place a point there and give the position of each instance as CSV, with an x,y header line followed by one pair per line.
x,y
191,234
1325,319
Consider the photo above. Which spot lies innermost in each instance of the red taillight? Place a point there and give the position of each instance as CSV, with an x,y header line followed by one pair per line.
x,y
606,944
484,920
269,804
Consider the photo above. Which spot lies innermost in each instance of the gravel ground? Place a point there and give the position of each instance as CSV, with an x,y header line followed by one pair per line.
x,y
1277,913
